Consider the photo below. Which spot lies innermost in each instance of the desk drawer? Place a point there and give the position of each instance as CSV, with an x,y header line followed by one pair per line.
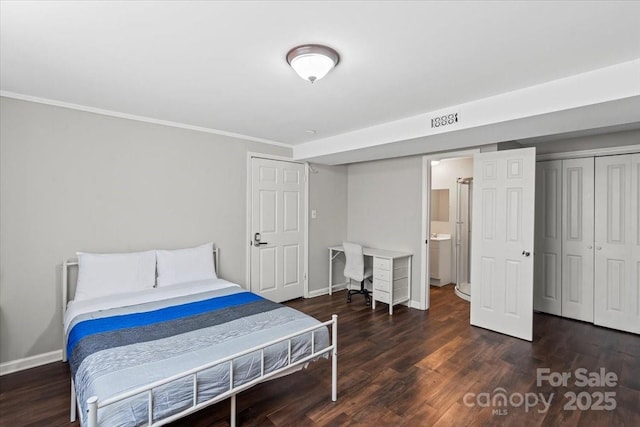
x,y
381,285
381,264
381,296
381,274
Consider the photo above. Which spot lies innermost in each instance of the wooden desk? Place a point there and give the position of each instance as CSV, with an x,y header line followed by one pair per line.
x,y
391,275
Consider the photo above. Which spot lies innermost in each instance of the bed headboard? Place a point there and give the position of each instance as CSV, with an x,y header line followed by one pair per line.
x,y
67,265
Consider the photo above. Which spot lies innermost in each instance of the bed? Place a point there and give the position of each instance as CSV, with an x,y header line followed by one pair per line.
x,y
154,355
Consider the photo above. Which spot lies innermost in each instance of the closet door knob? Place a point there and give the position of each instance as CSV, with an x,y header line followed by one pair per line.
x,y
598,247
589,247
525,253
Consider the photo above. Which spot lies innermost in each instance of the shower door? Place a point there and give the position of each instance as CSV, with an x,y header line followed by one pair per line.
x,y
463,229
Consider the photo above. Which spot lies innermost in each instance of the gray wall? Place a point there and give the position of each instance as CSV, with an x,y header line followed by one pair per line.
x,y
75,181
328,196
385,206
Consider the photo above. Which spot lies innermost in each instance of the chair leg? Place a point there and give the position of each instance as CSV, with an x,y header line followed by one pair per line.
x,y
362,290
367,294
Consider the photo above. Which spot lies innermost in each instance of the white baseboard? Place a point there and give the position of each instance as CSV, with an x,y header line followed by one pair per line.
x,y
414,304
325,291
30,362
339,287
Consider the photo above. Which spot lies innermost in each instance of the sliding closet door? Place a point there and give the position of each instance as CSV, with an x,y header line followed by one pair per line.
x,y
577,242
548,239
617,255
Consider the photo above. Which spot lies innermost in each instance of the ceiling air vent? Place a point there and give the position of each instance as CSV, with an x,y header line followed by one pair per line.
x,y
445,120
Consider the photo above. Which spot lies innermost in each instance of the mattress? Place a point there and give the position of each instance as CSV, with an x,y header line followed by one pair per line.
x,y
119,343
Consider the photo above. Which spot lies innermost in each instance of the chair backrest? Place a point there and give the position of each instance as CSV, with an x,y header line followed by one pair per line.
x,y
354,266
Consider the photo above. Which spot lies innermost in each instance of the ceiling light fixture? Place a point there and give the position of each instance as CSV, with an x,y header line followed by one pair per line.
x,y
312,61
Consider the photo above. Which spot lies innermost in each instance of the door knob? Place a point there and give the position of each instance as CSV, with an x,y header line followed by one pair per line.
x,y
525,253
598,247
589,247
256,240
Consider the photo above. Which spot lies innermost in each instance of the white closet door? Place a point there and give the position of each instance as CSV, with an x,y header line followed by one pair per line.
x,y
577,239
548,239
617,255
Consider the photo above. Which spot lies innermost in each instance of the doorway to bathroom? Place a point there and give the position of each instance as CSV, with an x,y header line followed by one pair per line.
x,y
450,224
443,225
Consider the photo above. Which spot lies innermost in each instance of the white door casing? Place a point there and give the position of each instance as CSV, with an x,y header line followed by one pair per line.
x,y
502,242
577,238
277,228
617,242
548,238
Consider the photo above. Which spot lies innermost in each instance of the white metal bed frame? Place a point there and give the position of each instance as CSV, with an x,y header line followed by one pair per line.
x,y
93,404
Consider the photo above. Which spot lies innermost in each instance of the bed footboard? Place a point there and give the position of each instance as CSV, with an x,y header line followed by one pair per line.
x,y
93,404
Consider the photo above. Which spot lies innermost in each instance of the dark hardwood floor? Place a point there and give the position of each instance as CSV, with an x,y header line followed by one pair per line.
x,y
410,369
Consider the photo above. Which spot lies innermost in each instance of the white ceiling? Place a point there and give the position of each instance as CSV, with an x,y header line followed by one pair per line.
x,y
221,65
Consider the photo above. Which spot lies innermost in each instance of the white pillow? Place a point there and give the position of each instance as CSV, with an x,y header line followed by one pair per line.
x,y
101,275
185,265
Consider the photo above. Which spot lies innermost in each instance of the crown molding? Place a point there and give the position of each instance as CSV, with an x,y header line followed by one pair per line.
x,y
118,114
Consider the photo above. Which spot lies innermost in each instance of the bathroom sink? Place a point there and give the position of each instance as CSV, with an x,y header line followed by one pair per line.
x,y
440,236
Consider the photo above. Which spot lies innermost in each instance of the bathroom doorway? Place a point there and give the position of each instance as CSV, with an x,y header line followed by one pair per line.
x,y
448,181
450,224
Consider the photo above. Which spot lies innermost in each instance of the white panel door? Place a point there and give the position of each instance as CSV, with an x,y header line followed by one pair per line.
x,y
502,241
277,229
577,242
617,243
547,285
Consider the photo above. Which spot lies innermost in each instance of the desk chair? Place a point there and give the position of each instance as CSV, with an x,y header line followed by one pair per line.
x,y
354,270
